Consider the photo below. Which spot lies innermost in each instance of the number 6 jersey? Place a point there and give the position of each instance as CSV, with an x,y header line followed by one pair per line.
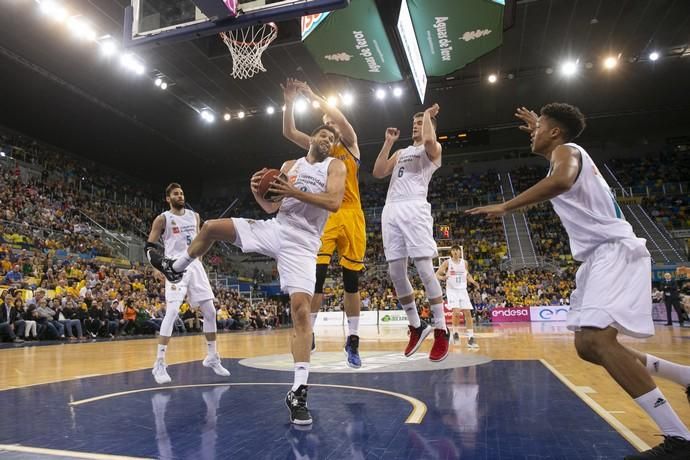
x,y
411,175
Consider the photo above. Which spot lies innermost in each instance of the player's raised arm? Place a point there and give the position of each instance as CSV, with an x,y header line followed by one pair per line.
x,y
431,144
384,164
290,131
347,133
565,167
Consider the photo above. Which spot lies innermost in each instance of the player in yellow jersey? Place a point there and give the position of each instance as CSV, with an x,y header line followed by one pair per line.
x,y
345,229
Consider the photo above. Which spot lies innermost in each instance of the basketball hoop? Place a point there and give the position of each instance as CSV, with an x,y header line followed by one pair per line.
x,y
246,47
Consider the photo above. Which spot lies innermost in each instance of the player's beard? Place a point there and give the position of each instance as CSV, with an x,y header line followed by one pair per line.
x,y
321,151
177,206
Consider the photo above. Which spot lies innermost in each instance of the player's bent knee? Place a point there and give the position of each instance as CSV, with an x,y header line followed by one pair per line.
x,y
425,269
321,270
350,281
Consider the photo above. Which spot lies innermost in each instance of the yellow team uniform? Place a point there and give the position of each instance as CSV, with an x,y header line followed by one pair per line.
x,y
345,229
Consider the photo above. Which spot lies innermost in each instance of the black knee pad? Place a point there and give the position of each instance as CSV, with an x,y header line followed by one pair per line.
x,y
350,280
321,270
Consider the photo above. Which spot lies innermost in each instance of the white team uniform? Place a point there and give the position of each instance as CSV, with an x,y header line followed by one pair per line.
x,y
456,286
178,235
293,237
406,223
614,282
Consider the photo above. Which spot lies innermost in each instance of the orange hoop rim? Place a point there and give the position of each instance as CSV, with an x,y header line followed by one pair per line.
x,y
268,38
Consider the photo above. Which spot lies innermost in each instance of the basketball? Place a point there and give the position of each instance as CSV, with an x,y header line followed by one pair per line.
x,y
265,184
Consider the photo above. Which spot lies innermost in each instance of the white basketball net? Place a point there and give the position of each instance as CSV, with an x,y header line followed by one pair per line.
x,y
246,47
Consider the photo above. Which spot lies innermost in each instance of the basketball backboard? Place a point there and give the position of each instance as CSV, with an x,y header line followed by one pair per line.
x,y
155,22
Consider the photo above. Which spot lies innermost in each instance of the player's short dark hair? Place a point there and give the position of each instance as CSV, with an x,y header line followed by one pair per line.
x,y
327,128
171,186
455,246
568,117
421,114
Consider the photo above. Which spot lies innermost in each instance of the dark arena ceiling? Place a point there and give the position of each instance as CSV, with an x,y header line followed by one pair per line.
x,y
61,91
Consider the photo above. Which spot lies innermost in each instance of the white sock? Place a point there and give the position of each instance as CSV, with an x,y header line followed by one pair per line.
x,y
161,351
183,262
211,346
674,372
313,319
412,314
301,375
470,333
663,414
352,325
439,316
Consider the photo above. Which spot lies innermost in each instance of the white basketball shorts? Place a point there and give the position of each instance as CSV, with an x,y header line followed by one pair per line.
x,y
194,283
294,250
408,230
459,298
614,288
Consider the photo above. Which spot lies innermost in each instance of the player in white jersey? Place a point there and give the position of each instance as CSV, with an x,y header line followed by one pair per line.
x,y
178,227
314,186
613,292
455,272
407,225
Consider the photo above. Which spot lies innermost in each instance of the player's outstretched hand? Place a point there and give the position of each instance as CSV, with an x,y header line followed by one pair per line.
x,y
529,117
433,110
290,89
281,187
494,210
256,180
305,90
392,134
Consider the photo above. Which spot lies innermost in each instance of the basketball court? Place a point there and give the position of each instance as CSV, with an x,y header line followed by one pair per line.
x,y
523,394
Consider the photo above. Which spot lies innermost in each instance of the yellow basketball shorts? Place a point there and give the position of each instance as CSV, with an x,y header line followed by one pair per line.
x,y
345,231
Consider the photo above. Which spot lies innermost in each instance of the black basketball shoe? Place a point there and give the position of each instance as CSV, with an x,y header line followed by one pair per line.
x,y
673,448
296,402
165,266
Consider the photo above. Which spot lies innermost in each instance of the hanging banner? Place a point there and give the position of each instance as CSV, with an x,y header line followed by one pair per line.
x,y
453,33
351,42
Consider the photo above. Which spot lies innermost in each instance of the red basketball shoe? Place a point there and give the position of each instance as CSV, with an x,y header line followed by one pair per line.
x,y
417,336
440,349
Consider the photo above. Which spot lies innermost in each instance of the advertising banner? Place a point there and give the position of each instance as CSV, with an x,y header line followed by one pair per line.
x,y
392,317
453,33
510,315
351,42
330,318
368,318
550,313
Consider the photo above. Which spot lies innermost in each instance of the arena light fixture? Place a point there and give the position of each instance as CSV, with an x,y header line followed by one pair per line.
x,y
569,68
654,55
164,86
315,104
380,94
270,110
81,29
610,62
332,101
207,116
492,78
2,153
300,105
108,48
53,10
347,99
227,117
240,114
397,91
158,82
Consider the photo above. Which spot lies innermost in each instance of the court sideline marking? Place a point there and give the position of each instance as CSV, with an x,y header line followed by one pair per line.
x,y
64,453
623,430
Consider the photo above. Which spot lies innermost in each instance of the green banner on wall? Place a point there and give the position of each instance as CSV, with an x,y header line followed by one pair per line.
x,y
351,42
453,33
